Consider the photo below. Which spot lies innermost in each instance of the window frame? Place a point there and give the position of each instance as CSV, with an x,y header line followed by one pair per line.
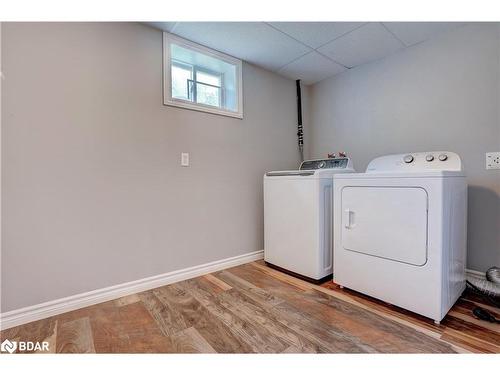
x,y
168,39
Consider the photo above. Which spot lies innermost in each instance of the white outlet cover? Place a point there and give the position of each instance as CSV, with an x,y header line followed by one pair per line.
x,y
185,159
493,160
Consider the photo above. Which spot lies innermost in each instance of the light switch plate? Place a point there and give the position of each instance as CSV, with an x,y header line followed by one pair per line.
x,y
185,159
493,160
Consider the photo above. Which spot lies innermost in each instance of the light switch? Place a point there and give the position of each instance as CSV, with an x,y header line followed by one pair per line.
x,y
185,159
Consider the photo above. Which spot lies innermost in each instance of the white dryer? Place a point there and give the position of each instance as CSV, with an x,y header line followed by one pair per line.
x,y
298,217
400,231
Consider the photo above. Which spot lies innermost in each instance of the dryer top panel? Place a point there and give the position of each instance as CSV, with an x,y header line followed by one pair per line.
x,y
417,162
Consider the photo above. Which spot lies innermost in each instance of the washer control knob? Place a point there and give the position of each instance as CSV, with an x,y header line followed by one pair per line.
x,y
429,157
443,157
321,164
408,159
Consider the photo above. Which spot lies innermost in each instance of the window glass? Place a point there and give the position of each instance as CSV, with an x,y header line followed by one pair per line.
x,y
211,79
181,75
208,95
201,78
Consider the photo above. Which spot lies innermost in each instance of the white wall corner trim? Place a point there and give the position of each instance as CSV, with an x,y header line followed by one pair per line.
x,y
47,309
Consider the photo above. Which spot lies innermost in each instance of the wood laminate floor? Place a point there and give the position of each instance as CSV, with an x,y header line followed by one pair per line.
x,y
255,309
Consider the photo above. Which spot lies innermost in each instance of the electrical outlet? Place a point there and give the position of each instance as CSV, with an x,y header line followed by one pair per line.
x,y
493,160
185,159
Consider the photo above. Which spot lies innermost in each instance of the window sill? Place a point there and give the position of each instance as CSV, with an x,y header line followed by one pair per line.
x,y
202,108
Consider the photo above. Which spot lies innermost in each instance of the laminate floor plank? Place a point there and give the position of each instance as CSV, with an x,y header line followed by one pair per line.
x,y
299,320
127,300
295,350
52,341
468,329
128,329
278,275
169,319
467,316
385,310
387,339
467,305
278,288
326,336
190,341
243,306
259,295
253,308
217,334
470,344
75,337
217,282
256,336
39,330
384,335
383,340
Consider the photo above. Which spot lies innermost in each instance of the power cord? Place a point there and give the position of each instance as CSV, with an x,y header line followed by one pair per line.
x,y
483,314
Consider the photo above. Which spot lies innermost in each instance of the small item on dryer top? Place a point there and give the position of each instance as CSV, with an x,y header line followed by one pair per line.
x,y
331,155
342,154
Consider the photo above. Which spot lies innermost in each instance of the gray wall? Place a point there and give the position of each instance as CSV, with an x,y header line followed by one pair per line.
x,y
93,192
442,94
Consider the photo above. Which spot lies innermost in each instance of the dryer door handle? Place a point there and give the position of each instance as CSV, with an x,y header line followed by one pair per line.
x,y
348,218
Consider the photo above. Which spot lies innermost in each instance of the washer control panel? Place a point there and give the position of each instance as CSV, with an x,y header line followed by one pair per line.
x,y
337,163
417,161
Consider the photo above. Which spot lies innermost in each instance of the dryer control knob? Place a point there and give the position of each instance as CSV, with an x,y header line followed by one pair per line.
x,y
408,159
443,157
429,157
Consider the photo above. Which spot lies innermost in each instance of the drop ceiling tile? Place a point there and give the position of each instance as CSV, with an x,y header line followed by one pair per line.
x,y
165,26
315,34
414,32
255,42
367,43
311,68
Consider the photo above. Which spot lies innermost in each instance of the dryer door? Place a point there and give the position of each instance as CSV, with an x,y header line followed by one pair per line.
x,y
386,222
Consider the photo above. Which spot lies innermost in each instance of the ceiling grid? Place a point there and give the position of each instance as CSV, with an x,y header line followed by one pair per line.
x,y
310,51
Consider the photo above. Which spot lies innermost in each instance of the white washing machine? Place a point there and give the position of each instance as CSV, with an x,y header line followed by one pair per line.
x,y
400,231
298,217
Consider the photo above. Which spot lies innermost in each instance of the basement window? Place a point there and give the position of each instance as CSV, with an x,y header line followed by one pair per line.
x,y
199,78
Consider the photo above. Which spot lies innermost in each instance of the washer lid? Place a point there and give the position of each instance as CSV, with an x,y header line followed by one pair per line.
x,y
289,173
317,168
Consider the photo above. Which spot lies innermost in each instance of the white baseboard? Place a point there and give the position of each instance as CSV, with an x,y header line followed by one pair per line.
x,y
479,274
44,310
